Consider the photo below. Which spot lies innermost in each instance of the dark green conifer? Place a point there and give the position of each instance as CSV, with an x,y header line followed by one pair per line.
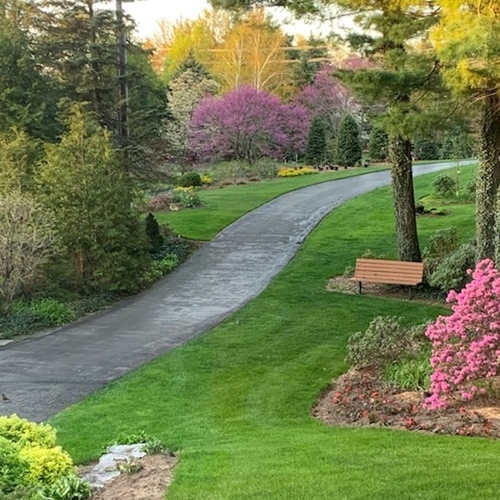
x,y
348,143
316,142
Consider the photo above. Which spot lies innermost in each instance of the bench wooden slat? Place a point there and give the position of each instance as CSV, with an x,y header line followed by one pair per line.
x,y
388,272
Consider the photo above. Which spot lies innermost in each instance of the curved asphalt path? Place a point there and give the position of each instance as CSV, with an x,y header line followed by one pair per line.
x,y
44,374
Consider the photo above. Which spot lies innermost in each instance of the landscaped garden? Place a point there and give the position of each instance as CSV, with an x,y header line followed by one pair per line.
x,y
120,157
236,403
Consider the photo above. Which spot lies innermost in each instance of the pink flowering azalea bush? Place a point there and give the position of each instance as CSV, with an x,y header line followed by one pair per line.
x,y
466,345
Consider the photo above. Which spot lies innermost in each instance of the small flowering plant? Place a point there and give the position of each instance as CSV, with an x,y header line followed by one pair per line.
x,y
466,345
187,197
295,172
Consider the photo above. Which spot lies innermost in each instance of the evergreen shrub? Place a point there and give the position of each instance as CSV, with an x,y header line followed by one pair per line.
x,y
444,185
385,341
451,272
190,179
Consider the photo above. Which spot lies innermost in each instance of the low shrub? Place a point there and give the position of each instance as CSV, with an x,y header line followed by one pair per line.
x,y
13,469
385,341
186,197
159,268
53,312
92,303
451,272
69,487
160,202
410,374
182,249
190,179
22,323
441,244
295,172
26,433
46,465
444,185
32,467
206,180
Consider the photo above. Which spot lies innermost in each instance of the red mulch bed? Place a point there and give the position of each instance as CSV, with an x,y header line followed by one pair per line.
x,y
362,398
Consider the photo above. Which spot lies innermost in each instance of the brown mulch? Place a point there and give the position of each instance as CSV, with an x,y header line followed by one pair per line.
x,y
150,483
342,284
362,398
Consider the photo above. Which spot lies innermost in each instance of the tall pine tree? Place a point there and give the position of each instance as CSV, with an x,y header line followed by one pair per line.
x,y
402,77
468,42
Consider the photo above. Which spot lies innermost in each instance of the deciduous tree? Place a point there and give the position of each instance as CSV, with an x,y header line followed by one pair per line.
x,y
247,124
188,87
28,239
253,53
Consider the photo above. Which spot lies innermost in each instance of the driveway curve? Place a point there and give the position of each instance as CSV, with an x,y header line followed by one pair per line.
x,y
46,373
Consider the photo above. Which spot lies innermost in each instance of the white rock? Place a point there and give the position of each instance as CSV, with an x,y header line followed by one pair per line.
x,y
106,470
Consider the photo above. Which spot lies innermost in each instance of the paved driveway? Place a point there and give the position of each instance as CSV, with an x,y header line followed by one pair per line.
x,y
44,374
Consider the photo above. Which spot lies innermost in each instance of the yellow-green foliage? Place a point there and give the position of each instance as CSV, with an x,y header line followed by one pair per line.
x,y
180,189
467,40
46,465
13,470
26,433
206,179
29,455
295,172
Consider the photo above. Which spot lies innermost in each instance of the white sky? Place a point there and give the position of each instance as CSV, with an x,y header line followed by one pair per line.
x,y
147,13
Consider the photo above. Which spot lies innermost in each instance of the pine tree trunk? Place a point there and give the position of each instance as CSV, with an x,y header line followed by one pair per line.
x,y
404,199
488,178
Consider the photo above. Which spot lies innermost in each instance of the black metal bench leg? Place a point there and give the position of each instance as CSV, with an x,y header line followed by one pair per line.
x,y
410,295
360,287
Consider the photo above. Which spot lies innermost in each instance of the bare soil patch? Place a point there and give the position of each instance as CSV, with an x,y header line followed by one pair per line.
x,y
362,398
150,483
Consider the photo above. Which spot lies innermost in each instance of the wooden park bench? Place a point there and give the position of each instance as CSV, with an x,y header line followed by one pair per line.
x,y
388,272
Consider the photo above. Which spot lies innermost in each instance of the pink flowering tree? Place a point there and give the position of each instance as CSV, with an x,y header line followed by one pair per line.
x,y
466,345
247,124
328,98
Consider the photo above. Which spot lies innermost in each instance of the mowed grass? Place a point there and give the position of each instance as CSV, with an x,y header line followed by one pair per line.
x,y
235,403
223,206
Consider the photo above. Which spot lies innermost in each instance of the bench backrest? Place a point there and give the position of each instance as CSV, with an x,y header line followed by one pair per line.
x,y
392,272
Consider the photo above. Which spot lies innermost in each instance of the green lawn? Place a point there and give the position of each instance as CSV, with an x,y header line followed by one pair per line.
x,y
235,402
223,206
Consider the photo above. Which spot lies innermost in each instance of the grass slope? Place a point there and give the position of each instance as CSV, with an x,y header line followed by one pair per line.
x,y
235,402
223,206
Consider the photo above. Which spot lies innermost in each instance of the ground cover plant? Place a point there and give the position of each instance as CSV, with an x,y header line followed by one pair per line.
x,y
236,402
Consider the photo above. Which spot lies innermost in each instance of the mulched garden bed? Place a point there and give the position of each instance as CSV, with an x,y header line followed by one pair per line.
x,y
342,284
363,398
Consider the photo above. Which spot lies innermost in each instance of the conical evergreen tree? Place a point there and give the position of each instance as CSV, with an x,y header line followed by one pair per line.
x,y
82,185
316,142
378,144
348,143
153,232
